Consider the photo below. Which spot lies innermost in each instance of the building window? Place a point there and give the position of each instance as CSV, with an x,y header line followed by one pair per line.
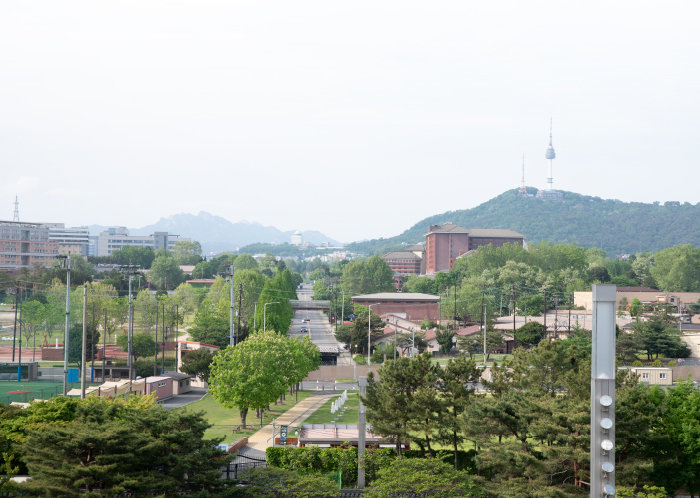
x,y
662,376
645,376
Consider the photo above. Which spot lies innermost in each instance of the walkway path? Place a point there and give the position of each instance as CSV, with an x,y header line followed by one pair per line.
x,y
294,416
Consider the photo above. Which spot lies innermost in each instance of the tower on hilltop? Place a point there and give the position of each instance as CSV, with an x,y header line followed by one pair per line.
x,y
550,155
523,189
550,194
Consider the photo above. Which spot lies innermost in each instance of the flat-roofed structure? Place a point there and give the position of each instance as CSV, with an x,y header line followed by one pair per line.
x,y
415,306
331,435
23,245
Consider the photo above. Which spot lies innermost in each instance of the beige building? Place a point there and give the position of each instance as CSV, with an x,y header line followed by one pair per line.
x,y
644,294
656,376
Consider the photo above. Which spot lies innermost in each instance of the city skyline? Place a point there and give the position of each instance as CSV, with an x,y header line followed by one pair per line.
x,y
354,120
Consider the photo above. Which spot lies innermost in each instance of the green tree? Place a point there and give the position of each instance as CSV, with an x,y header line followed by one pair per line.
x,y
354,335
94,452
187,252
142,345
423,477
258,370
198,363
677,269
530,334
211,326
274,482
403,404
166,273
456,386
245,262
75,344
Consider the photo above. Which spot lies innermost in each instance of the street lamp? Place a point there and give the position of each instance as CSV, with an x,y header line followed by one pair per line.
x,y
369,331
265,313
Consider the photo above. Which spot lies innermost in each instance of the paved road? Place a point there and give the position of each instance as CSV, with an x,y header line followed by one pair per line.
x,y
184,399
292,417
316,322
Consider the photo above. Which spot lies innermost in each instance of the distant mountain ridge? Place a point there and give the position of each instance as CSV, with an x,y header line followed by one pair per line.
x,y
616,227
217,234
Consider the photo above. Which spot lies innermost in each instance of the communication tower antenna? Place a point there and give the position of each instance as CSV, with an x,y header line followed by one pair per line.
x,y
15,216
523,190
550,155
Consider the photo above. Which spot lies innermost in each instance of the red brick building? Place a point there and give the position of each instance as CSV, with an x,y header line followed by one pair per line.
x,y
445,243
416,306
23,245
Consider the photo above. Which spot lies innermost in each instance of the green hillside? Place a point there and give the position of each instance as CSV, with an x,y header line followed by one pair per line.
x,y
616,227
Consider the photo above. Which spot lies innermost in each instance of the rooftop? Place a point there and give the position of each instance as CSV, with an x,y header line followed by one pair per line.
x,y
401,255
398,296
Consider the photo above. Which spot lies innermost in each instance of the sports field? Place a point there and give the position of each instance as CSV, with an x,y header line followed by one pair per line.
x,y
36,390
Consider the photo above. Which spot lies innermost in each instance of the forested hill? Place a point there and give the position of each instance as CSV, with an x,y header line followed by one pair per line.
x,y
616,227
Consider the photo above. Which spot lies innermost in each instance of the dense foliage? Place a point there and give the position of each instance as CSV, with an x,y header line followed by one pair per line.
x,y
109,448
615,226
531,431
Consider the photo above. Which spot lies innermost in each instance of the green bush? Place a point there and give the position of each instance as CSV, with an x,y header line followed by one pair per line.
x,y
323,460
636,363
360,359
657,363
672,363
272,482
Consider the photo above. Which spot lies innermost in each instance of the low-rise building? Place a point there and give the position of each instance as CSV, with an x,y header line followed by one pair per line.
x,y
414,305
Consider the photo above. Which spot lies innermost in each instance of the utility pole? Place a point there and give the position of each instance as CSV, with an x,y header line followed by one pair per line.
x,y
571,300
237,336
162,352
342,310
83,356
255,315
229,274
155,344
14,329
104,348
362,432
67,261
19,367
483,323
545,312
396,328
513,294
177,342
454,312
130,270
556,315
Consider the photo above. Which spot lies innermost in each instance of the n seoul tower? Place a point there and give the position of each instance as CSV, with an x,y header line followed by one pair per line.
x,y
549,155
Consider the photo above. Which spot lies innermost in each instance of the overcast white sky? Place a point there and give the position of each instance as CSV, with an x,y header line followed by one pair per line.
x,y
356,118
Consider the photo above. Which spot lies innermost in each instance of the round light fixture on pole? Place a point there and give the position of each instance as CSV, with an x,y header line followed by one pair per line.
x,y
608,467
605,400
606,424
606,444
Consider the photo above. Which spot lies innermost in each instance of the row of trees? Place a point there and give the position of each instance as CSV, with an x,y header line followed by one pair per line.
x,y
531,431
260,370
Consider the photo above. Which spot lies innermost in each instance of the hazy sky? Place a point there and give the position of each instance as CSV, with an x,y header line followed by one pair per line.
x,y
356,118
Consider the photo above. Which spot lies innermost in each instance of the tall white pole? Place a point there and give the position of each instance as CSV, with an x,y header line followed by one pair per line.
x,y
603,392
66,339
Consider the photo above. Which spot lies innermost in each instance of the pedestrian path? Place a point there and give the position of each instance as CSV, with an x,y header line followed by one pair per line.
x,y
294,417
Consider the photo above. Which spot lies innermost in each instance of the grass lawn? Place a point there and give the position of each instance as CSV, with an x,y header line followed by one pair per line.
x,y
223,419
324,416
